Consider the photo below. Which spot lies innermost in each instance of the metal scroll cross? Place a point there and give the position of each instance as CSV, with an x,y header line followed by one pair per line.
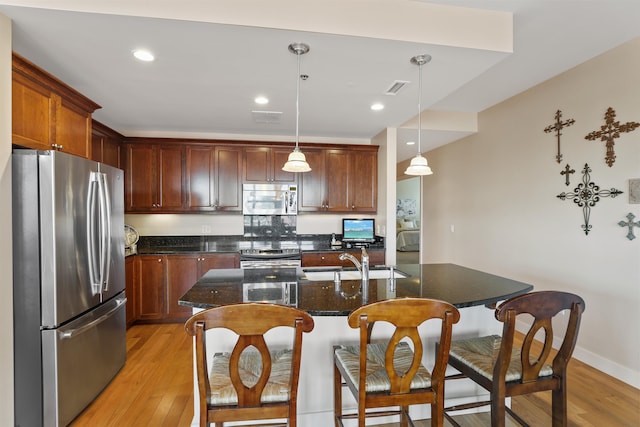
x,y
566,172
630,224
610,131
586,195
557,126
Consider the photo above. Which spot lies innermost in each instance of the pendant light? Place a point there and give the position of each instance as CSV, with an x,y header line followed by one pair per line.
x,y
297,162
419,165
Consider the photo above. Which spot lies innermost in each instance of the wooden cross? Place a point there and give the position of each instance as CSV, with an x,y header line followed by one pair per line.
x,y
566,172
557,126
586,195
630,224
610,131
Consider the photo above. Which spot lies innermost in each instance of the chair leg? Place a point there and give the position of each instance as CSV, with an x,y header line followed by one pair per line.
x,y
404,416
559,406
337,395
498,412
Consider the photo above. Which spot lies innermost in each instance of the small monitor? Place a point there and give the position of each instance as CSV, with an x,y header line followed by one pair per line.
x,y
358,230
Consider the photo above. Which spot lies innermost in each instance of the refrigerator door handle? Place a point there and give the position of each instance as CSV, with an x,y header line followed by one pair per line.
x,y
77,331
93,245
105,231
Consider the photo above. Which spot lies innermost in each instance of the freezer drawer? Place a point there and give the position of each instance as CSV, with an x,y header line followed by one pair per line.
x,y
80,359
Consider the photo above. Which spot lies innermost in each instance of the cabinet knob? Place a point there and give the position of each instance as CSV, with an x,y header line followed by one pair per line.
x,y
353,206
322,258
159,259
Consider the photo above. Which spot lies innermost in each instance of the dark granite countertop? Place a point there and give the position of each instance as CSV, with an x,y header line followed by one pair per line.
x,y
460,286
157,245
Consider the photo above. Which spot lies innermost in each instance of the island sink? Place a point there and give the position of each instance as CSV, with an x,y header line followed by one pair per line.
x,y
329,274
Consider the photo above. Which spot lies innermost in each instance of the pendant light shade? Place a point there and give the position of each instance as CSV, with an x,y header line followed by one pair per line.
x,y
297,162
419,165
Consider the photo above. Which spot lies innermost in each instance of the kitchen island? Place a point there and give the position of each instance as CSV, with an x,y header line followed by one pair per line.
x,y
470,290
460,286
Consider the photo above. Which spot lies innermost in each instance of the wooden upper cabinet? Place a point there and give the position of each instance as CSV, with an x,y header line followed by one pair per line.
x,y
46,113
105,145
363,181
264,164
345,180
213,178
228,182
339,173
311,192
154,178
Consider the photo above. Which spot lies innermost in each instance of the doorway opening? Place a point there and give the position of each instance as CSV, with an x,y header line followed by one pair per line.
x,y
408,220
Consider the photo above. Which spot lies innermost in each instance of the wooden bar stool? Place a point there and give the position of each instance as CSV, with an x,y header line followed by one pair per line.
x,y
253,382
391,374
506,370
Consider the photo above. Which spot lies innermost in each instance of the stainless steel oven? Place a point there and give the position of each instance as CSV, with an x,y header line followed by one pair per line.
x,y
269,258
276,285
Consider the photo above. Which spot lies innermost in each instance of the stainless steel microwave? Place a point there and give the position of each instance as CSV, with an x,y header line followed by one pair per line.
x,y
270,199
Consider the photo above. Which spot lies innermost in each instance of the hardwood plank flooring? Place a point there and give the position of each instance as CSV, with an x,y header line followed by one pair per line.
x,y
155,388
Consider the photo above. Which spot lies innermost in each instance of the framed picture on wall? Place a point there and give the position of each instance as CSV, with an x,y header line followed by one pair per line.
x,y
634,190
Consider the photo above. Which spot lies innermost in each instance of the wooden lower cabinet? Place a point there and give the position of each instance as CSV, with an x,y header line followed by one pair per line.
x,y
150,287
130,291
331,258
162,280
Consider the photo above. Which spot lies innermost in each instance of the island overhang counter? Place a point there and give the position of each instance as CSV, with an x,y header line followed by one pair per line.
x,y
460,286
470,290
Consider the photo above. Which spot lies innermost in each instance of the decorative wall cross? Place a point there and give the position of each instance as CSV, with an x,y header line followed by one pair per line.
x,y
610,131
566,172
630,224
557,126
586,195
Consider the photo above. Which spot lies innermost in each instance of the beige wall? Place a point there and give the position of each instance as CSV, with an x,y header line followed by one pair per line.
x,y
498,190
6,285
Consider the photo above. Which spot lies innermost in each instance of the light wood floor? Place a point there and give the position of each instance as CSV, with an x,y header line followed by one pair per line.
x,y
155,388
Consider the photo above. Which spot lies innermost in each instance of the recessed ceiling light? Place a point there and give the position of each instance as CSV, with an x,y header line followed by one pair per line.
x,y
411,143
143,55
261,100
377,106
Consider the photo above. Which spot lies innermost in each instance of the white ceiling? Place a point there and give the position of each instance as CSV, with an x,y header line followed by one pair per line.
x,y
208,71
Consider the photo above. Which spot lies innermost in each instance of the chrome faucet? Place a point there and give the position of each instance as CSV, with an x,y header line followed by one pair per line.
x,y
363,268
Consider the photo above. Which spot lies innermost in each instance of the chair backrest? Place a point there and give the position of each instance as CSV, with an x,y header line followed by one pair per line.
x,y
406,315
543,306
250,322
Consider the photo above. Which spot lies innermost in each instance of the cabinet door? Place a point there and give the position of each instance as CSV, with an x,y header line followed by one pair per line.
x,y
363,181
322,259
213,261
264,164
150,287
181,275
130,289
311,193
72,128
338,169
200,177
256,164
111,152
105,147
228,179
140,182
170,173
33,113
279,157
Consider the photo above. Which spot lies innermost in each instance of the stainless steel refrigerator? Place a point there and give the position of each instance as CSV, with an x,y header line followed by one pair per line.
x,y
69,301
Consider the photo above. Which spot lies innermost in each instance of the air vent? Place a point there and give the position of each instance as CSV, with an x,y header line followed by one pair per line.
x,y
266,116
396,86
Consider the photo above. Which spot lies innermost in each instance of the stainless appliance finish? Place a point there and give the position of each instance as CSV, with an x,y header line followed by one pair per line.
x,y
69,302
269,258
269,199
276,285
